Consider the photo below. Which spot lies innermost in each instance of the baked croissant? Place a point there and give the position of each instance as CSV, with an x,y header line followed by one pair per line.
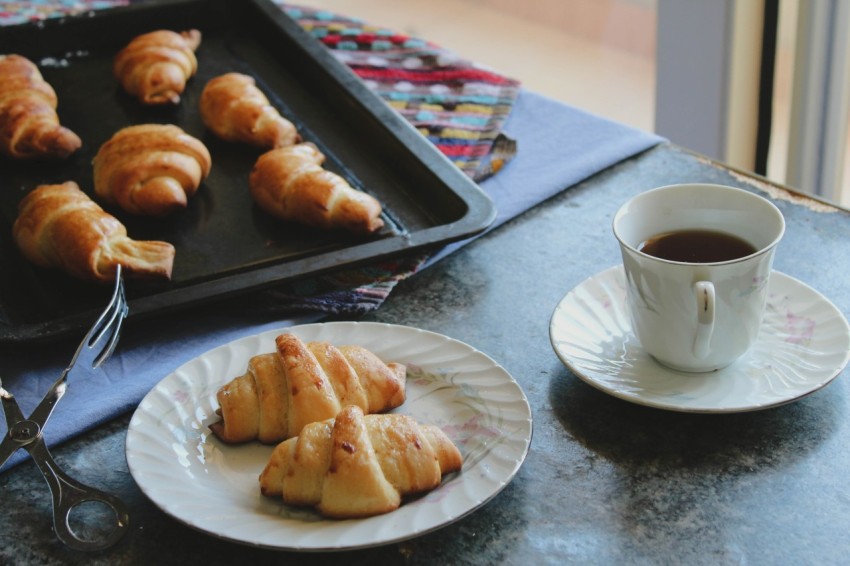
x,y
304,383
150,169
290,183
155,66
237,111
29,125
60,226
358,466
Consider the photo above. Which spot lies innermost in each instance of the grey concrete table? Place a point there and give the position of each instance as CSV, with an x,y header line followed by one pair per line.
x,y
605,481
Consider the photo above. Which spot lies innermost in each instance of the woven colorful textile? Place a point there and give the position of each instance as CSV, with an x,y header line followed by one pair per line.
x,y
457,105
12,13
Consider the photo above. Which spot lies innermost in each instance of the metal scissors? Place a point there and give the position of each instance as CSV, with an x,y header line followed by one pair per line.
x,y
26,433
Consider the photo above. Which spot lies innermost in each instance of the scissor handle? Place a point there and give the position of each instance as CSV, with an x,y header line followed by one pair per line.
x,y
67,494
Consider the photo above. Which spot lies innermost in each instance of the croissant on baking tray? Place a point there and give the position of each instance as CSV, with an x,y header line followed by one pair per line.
x,y
359,465
290,183
60,226
150,169
303,383
155,66
29,125
236,110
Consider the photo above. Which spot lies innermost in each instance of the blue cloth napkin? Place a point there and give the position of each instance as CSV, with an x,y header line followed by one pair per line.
x,y
559,146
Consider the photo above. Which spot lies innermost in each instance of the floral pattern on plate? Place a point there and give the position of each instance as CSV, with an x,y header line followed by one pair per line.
x,y
803,345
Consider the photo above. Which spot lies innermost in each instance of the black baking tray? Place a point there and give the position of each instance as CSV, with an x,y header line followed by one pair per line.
x,y
225,245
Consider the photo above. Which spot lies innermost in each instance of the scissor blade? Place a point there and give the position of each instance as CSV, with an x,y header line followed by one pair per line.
x,y
45,407
13,416
10,408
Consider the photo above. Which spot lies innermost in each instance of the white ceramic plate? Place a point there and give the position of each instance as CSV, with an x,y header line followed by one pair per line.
x,y
214,487
803,345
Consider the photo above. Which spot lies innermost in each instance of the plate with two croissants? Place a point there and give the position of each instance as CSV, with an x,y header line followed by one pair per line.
x,y
329,436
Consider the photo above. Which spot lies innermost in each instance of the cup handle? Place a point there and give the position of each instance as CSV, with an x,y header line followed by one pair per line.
x,y
704,293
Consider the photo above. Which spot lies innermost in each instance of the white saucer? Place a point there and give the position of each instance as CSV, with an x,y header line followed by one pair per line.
x,y
803,345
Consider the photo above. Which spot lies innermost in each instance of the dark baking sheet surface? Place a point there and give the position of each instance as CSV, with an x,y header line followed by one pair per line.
x,y
225,244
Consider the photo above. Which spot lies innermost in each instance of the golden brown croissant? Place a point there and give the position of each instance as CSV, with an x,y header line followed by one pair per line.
x,y
358,466
290,183
303,383
150,169
29,125
237,111
60,226
155,66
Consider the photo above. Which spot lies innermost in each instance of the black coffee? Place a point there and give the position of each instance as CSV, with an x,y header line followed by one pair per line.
x,y
697,246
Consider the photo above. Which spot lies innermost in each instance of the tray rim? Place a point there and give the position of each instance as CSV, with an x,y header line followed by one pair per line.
x,y
480,209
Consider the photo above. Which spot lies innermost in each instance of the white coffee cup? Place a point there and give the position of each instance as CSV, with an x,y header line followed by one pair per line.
x,y
697,317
